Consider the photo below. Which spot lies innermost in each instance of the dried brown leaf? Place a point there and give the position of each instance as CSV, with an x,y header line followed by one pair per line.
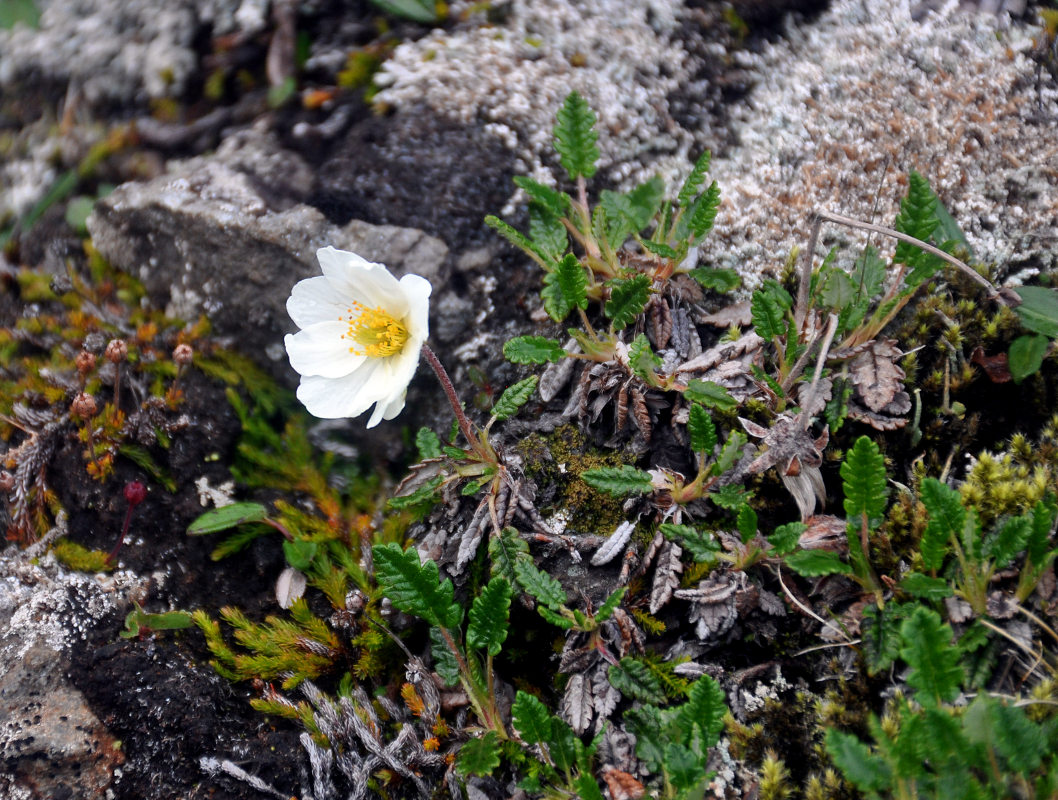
x,y
623,786
660,318
825,532
578,703
666,576
876,375
738,314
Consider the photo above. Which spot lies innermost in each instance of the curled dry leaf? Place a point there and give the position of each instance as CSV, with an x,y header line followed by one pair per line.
x,y
557,374
622,785
577,703
666,576
996,367
615,545
713,604
290,586
684,339
825,532
659,316
874,372
738,314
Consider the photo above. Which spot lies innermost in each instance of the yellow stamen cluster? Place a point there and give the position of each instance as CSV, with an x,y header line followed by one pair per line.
x,y
376,332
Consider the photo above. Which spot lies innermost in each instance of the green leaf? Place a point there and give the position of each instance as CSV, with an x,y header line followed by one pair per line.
x,y
705,709
698,219
532,350
635,680
539,584
880,633
1043,514
645,724
694,181
422,11
1026,356
424,494
730,497
683,768
552,200
479,756
924,587
414,587
575,137
514,397
643,361
935,669
518,239
531,719
19,11
719,280
225,517
867,771
702,546
865,484
838,289
746,521
586,787
869,273
610,604
917,218
814,563
428,444
505,550
768,307
1020,741
488,617
711,394
729,454
701,429
784,539
565,288
445,663
618,481
547,232
299,553
662,250
1010,540
563,745
1038,310
628,298
946,519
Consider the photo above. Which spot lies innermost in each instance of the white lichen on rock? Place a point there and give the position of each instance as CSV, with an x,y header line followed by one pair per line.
x,y
849,104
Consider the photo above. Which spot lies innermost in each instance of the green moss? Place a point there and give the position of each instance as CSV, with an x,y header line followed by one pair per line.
x,y
80,558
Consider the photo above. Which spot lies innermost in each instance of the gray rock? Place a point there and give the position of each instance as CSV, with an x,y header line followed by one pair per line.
x,y
227,236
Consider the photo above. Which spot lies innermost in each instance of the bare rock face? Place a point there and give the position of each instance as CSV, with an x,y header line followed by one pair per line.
x,y
228,236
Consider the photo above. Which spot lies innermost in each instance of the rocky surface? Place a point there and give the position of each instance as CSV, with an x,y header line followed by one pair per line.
x,y
842,100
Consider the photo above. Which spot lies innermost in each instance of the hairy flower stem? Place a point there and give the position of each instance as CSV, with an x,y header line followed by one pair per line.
x,y
465,425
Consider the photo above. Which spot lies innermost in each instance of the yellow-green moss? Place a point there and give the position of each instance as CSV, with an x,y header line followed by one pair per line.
x,y
80,558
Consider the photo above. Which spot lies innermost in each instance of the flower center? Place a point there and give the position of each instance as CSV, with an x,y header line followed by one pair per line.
x,y
376,332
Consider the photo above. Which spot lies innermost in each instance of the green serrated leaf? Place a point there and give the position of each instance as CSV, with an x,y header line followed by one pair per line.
x,y
719,280
628,298
487,629
815,563
880,633
784,539
519,240
1008,541
729,454
864,769
618,481
428,444
701,429
1038,544
539,584
917,218
946,519
661,250
746,521
683,769
927,648
445,663
550,199
225,517
547,232
730,497
1038,310
610,604
531,719
704,709
838,290
479,756
694,181
415,587
505,550
768,309
565,288
644,722
865,483
635,680
924,587
514,397
1026,356
643,361
702,546
699,217
533,350
586,787
424,494
711,394
575,137
299,553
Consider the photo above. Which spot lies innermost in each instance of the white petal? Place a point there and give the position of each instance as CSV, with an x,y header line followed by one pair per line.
x,y
417,289
321,350
315,300
364,281
348,396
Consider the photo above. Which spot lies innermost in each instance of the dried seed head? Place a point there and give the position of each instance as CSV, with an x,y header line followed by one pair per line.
x,y
85,362
135,493
117,351
84,406
182,354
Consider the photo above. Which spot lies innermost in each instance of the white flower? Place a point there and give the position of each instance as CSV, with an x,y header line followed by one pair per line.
x,y
361,333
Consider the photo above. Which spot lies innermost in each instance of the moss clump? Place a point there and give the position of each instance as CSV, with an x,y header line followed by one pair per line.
x,y
80,558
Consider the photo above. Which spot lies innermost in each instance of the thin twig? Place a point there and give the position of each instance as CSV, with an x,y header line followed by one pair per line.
x,y
453,399
993,293
806,275
813,389
825,623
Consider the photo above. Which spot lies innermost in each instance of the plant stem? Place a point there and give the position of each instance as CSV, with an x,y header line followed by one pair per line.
x,y
453,399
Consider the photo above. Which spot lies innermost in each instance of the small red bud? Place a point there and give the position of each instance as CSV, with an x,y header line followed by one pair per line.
x,y
135,493
7,481
85,362
117,351
182,354
84,406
